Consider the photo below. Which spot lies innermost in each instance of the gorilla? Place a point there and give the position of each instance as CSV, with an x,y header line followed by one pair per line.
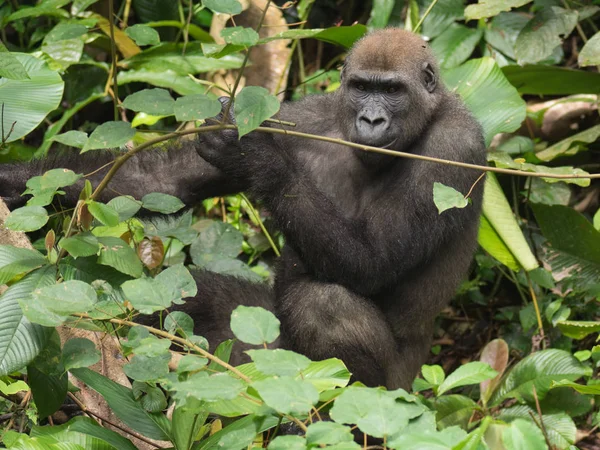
x,y
368,261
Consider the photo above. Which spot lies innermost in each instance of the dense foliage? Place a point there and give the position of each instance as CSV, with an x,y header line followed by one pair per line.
x,y
514,364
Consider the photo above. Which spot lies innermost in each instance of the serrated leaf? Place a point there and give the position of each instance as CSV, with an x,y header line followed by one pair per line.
x,y
254,325
491,8
179,282
109,135
157,102
126,206
253,105
578,329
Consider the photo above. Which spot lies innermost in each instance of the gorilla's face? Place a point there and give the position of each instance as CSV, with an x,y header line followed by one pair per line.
x,y
387,108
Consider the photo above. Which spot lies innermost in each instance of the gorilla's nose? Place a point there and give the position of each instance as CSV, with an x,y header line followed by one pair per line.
x,y
371,124
374,121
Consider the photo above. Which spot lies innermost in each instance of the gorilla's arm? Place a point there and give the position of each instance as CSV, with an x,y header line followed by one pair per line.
x,y
399,228
177,170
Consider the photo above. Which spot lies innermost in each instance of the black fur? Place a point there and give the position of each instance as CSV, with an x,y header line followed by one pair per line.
x,y
368,262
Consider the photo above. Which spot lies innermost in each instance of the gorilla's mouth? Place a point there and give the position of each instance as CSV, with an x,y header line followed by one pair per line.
x,y
389,145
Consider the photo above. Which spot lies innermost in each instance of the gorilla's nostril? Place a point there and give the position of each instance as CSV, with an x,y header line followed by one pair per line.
x,y
378,121
374,122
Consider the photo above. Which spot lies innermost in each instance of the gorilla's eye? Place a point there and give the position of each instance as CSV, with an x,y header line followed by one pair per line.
x,y
391,90
360,87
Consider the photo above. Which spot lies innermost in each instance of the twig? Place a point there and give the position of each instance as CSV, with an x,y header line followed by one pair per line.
x,y
103,419
244,63
474,184
541,424
537,310
179,340
422,19
113,52
261,225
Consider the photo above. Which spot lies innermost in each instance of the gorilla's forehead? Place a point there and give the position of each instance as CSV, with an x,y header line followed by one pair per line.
x,y
390,50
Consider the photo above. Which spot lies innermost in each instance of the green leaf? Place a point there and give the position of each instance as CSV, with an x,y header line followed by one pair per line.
x,y
179,282
103,213
232,7
578,329
162,203
344,36
571,146
470,373
499,214
446,197
147,295
454,410
21,340
539,370
279,362
593,389
166,78
153,399
220,386
13,387
491,8
454,46
28,101
327,433
90,428
240,36
191,363
52,305
64,53
374,411
157,102
288,443
109,135
27,218
71,138
542,34
219,240
121,401
49,390
551,80
147,368
116,253
15,261
589,54
46,8
79,352
492,243
254,325
196,107
65,30
126,206
143,34
434,375
83,244
494,102
287,395
10,66
380,13
253,105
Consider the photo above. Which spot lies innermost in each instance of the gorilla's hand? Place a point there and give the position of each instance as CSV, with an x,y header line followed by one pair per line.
x,y
239,158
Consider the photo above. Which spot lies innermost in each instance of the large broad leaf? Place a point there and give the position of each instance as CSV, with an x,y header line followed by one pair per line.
x,y
490,97
575,243
552,80
121,401
538,371
15,261
28,101
491,8
499,215
590,53
542,34
21,340
455,45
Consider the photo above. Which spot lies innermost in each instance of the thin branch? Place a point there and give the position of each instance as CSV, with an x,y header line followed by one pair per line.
x,y
244,63
261,225
119,161
179,340
422,19
104,419
113,52
475,184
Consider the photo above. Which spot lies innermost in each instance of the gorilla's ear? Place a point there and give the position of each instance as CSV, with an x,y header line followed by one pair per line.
x,y
430,78
343,70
